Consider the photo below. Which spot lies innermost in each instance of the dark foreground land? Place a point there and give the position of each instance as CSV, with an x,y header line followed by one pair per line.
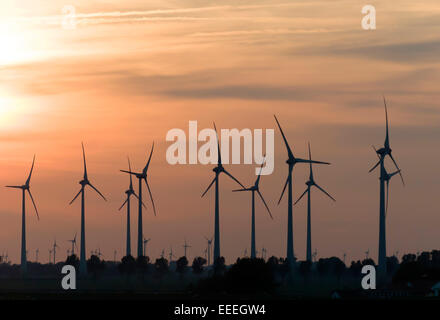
x,y
415,277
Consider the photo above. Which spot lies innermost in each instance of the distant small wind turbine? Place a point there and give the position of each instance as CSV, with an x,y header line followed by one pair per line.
x,y
36,254
209,250
24,188
367,254
171,255
50,256
218,170
310,183
84,182
185,246
55,246
145,246
291,161
253,189
142,176
73,241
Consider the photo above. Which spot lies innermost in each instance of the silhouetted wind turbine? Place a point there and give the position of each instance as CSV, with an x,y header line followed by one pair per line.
x,y
84,182
145,245
50,255
73,241
55,246
142,176
171,255
291,161
218,170
209,250
24,188
129,192
253,189
36,254
311,183
185,246
384,177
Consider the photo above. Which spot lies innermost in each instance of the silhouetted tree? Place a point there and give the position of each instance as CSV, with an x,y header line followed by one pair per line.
x,y
73,261
249,276
161,266
127,265
198,264
181,265
219,265
142,264
95,266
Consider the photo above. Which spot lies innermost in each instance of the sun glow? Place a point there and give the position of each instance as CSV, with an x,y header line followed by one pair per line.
x,y
13,44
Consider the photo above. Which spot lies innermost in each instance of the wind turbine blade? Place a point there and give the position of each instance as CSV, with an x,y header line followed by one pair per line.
x,y
123,204
129,172
238,190
151,196
387,138
16,187
33,202
129,169
76,196
84,159
143,204
232,177
328,195
284,189
219,155
259,174
310,164
212,182
265,204
397,167
30,173
149,159
302,195
375,166
289,151
74,239
93,187
388,192
311,161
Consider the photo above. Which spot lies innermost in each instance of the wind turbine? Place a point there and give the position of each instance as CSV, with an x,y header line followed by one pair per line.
x,y
209,250
218,170
55,246
253,189
36,254
367,254
145,245
142,176
310,183
315,253
129,192
24,188
73,241
171,255
84,182
50,255
291,161
384,177
185,246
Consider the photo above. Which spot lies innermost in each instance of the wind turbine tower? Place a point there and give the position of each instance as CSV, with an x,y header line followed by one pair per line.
x,y
142,176
310,183
84,182
218,170
24,188
384,178
291,162
255,189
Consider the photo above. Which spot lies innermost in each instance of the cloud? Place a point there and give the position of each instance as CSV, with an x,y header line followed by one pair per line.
x,y
409,52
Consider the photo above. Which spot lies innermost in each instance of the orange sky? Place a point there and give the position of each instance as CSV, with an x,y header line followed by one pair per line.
x,y
132,70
